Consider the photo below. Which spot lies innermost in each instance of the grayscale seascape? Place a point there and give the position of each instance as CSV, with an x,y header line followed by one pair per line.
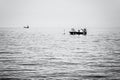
x,y
38,56
59,39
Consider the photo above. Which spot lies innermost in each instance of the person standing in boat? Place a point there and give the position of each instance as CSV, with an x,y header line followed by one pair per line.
x,y
84,31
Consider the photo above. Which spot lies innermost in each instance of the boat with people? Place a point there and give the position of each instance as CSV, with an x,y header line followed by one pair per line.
x,y
78,32
26,26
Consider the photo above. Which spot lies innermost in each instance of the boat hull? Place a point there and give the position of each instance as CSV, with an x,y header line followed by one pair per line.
x,y
78,33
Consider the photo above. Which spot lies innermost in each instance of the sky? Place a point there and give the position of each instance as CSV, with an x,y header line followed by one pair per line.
x,y
60,14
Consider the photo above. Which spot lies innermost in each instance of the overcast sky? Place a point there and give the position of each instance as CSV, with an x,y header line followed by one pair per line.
x,y
60,13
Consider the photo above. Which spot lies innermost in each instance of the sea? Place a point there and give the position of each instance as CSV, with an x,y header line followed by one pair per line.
x,y
27,54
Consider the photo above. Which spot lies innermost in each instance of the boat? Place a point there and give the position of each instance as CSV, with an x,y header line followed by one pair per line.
x,y
79,32
26,26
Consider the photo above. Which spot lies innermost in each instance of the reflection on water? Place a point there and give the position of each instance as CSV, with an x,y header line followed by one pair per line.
x,y
33,55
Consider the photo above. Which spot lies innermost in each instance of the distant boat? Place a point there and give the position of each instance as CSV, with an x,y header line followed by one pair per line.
x,y
26,26
73,32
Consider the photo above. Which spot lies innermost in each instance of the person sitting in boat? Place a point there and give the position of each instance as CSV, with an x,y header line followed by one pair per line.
x,y
73,30
82,30
85,30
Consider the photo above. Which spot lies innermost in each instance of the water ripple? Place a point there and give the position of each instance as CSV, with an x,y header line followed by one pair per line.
x,y
26,55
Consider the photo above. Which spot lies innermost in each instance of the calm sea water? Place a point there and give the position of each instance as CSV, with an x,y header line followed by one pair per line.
x,y
26,54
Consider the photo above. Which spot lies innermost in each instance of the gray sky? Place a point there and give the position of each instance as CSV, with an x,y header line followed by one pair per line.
x,y
60,13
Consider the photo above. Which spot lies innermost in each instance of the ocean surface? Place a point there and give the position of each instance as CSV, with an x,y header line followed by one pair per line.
x,y
32,55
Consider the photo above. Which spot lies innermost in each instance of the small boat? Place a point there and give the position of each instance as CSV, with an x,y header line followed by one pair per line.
x,y
73,32
26,26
